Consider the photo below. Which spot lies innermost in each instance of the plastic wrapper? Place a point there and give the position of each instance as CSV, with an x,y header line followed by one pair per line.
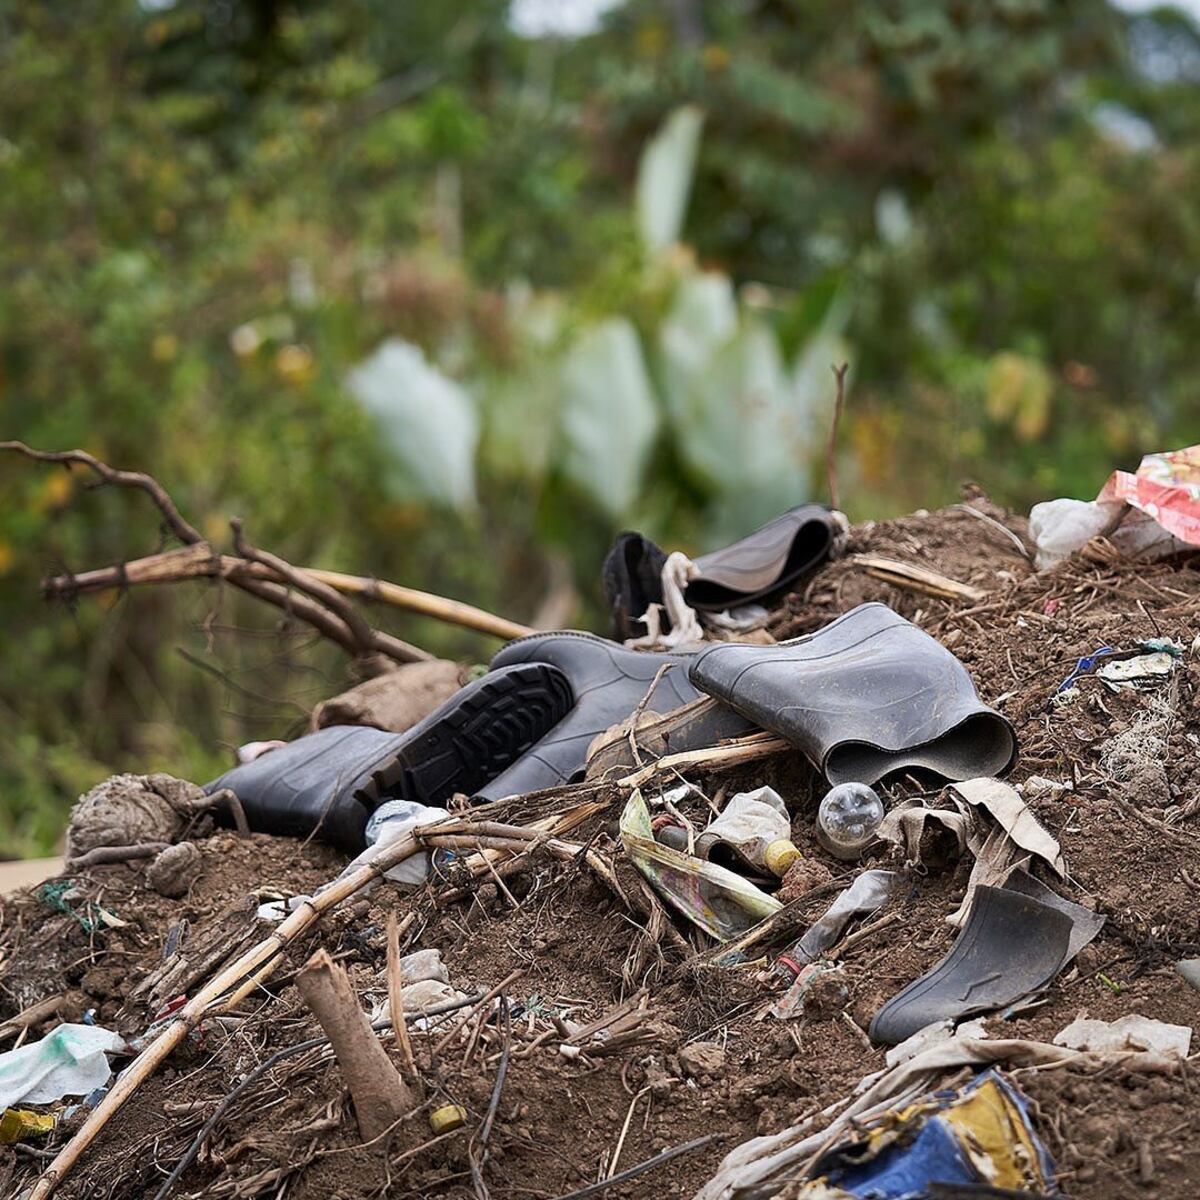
x,y
749,825
867,894
71,1061
722,903
980,1136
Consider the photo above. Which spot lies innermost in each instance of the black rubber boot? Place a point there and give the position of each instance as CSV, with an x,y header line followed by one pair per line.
x,y
608,682
329,782
632,579
866,695
765,561
1010,946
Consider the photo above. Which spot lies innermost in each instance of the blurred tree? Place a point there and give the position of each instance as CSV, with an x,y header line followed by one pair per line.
x,y
215,212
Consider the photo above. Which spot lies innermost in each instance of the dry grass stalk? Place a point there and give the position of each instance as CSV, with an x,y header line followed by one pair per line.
x,y
395,982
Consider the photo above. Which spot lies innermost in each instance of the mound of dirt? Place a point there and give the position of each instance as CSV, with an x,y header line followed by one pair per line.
x,y
622,1040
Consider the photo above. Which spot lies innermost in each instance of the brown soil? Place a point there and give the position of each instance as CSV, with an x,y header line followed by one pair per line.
x,y
1131,848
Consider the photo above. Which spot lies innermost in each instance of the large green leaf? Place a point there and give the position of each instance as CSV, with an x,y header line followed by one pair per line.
x,y
665,178
609,417
427,421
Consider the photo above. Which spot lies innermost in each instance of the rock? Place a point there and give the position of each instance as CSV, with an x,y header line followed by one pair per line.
x,y
658,1081
825,996
174,870
702,1058
395,700
1189,969
802,876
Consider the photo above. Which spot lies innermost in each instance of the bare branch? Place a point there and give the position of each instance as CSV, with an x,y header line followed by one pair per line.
x,y
319,605
360,631
184,531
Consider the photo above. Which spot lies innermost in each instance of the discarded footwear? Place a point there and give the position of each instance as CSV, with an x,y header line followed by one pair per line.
x,y
1010,946
632,580
608,683
330,781
865,696
764,561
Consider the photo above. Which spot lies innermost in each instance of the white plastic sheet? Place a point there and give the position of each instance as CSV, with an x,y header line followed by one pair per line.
x,y
70,1061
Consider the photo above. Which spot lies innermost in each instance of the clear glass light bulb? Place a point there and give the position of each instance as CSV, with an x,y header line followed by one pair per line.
x,y
848,818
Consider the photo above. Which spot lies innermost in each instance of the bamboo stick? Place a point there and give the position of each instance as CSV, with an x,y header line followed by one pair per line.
x,y
201,561
732,754
395,982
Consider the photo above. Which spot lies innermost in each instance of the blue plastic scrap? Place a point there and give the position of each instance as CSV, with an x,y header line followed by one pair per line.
x,y
1085,666
980,1134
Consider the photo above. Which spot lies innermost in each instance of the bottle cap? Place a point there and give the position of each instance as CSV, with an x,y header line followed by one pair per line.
x,y
779,856
448,1117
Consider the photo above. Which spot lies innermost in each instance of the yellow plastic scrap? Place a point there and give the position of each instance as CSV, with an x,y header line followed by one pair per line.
x,y
17,1124
994,1135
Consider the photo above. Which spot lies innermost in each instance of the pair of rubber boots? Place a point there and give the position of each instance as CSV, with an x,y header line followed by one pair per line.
x,y
868,695
524,726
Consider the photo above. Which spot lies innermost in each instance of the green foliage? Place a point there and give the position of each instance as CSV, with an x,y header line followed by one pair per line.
x,y
212,215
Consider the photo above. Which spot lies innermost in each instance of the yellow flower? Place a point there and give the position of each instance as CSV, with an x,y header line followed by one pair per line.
x,y
295,363
1018,392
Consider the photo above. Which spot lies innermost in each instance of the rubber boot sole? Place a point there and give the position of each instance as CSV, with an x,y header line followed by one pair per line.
x,y
499,718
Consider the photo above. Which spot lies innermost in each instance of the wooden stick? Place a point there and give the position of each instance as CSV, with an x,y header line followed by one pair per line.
x,y
253,983
380,1096
105,855
455,1030
453,612
202,562
327,621
395,982
33,1015
916,579
732,754
287,931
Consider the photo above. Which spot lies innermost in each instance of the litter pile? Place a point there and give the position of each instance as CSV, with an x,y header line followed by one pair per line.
x,y
864,864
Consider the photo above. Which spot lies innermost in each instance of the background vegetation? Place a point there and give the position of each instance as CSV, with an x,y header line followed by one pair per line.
x,y
432,292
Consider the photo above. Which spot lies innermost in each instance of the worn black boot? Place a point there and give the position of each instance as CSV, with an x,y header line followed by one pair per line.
x,y
608,682
765,561
866,695
632,579
329,782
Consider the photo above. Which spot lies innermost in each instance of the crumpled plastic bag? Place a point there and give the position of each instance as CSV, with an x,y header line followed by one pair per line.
x,y
1164,492
867,894
990,820
70,1061
1061,527
721,902
1130,1032
749,823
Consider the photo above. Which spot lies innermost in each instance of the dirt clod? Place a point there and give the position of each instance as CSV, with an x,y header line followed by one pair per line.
x,y
174,870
